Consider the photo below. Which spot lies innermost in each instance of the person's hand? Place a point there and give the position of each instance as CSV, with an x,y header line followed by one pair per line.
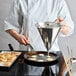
x,y
19,37
65,29
22,39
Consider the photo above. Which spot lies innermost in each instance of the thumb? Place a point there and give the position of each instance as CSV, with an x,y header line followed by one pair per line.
x,y
60,19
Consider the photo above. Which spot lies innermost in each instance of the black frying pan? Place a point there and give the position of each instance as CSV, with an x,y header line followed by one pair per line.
x,y
40,58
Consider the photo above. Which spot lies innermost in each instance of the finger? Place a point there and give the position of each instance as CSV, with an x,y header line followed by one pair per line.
x,y
27,40
60,19
23,42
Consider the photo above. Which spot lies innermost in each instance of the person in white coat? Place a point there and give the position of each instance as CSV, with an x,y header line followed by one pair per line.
x,y
24,14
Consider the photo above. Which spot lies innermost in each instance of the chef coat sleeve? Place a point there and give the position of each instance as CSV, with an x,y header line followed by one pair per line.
x,y
65,14
15,17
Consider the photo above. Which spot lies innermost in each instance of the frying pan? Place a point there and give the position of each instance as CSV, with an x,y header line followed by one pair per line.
x,y
40,58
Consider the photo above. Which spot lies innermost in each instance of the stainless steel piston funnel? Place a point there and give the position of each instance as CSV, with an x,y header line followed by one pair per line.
x,y
48,32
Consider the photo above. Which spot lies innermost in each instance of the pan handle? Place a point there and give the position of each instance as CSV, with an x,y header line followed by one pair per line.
x,y
30,47
11,47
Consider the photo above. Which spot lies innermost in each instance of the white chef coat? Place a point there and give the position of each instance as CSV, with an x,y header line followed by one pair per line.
x,y
24,14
